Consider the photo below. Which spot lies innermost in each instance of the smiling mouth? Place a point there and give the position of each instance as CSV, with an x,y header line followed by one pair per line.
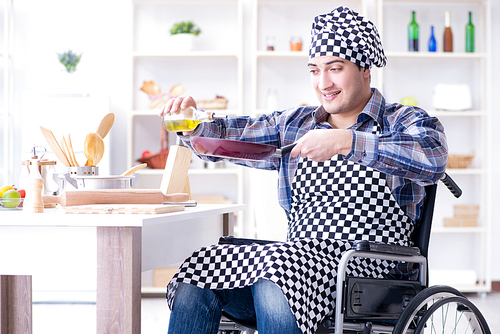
x,y
331,95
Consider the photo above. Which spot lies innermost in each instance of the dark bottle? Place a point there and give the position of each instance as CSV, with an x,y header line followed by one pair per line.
x,y
413,34
432,41
469,35
448,36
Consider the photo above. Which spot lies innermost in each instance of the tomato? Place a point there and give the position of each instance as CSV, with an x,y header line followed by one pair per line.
x,y
146,153
22,192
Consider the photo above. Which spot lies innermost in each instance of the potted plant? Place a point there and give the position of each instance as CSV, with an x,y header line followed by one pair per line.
x,y
69,60
182,34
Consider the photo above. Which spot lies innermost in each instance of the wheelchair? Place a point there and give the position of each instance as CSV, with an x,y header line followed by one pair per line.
x,y
382,306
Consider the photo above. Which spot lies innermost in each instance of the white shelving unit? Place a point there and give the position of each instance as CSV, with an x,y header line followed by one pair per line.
x,y
455,252
280,20
213,67
6,111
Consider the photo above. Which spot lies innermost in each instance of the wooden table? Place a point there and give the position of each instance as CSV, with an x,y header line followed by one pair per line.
x,y
126,245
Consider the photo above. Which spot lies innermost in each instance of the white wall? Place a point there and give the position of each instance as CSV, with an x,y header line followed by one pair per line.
x,y
101,29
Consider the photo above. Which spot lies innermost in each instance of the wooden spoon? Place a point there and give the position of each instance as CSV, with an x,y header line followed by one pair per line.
x,y
72,152
105,125
93,148
104,128
134,169
67,151
54,145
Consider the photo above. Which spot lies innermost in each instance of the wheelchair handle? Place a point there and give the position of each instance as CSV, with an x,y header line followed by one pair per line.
x,y
451,185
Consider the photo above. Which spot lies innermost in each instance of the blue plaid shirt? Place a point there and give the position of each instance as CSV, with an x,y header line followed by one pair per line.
x,y
410,149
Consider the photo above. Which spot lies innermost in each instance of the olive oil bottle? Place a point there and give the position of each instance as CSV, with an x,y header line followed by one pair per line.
x,y
186,120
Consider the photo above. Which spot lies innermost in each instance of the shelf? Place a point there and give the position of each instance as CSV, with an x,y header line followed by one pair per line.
x,y
195,171
459,113
191,54
465,230
154,112
437,1
466,171
181,1
151,290
281,54
436,55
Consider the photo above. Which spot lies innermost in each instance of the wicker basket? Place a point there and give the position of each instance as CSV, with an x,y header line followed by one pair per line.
x,y
459,161
158,160
218,103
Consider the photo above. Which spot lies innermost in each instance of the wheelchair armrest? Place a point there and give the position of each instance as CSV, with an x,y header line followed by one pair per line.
x,y
230,240
367,246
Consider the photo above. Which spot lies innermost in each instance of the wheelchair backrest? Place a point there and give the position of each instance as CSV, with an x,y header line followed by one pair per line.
x,y
422,233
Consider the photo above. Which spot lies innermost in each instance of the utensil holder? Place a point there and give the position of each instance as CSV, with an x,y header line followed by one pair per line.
x,y
84,170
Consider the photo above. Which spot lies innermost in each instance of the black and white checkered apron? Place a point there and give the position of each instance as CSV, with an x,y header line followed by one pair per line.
x,y
333,203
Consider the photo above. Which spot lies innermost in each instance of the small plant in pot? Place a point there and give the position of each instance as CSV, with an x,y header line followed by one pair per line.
x,y
185,27
69,60
183,33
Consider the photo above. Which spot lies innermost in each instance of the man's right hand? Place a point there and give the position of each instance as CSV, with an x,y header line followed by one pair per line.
x,y
175,104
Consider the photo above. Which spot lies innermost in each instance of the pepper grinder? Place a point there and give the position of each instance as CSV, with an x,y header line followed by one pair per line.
x,y
34,186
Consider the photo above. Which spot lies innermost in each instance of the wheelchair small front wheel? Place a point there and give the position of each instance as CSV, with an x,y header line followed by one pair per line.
x,y
440,309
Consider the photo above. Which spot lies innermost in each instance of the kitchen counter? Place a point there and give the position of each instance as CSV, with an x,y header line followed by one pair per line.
x,y
113,248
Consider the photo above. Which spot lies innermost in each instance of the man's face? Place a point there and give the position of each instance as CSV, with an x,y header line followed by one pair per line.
x,y
340,85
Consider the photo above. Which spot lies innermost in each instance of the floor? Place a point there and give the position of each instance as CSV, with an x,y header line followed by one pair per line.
x,y
80,318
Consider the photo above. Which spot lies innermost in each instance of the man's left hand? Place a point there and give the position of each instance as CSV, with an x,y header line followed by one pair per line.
x,y
321,145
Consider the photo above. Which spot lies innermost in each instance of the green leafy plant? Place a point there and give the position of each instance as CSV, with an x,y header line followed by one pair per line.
x,y
185,27
69,59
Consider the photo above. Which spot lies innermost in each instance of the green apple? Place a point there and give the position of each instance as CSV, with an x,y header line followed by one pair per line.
x,y
11,199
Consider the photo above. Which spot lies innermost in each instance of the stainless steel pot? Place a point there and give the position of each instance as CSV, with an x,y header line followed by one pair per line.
x,y
90,182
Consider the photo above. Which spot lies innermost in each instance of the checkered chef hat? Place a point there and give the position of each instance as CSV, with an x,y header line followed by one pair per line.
x,y
346,34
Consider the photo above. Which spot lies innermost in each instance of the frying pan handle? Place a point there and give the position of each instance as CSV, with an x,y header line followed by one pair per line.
x,y
287,149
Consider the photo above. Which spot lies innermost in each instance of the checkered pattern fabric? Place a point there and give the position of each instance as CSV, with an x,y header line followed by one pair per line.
x,y
334,203
346,34
350,203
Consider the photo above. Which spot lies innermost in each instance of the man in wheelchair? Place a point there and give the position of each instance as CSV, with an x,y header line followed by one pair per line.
x,y
358,172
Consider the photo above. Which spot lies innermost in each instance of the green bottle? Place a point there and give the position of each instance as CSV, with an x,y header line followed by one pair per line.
x,y
413,34
469,35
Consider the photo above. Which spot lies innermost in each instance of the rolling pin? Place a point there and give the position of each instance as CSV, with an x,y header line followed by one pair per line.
x,y
114,196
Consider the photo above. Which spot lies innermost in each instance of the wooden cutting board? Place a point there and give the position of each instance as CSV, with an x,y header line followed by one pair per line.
x,y
124,209
114,196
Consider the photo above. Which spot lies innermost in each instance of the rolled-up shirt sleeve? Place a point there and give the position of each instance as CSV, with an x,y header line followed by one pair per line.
x,y
413,146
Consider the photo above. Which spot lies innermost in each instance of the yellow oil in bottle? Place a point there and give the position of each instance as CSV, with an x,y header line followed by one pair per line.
x,y
181,124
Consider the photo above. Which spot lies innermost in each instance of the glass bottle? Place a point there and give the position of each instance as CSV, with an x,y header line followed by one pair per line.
x,y
432,41
469,35
448,36
186,120
413,32
270,43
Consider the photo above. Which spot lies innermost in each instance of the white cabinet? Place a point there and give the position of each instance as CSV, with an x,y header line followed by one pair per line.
x,y
459,256
6,93
214,66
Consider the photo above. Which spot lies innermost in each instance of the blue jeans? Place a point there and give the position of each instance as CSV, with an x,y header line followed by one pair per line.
x,y
198,311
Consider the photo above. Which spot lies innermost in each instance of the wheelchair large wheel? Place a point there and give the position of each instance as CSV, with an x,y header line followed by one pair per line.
x,y
441,309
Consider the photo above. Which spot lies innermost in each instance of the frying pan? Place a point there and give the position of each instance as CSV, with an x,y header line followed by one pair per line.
x,y
234,149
